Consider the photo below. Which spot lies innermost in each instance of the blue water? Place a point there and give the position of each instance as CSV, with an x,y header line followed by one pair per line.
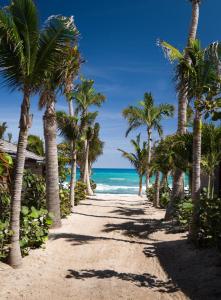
x,y
118,181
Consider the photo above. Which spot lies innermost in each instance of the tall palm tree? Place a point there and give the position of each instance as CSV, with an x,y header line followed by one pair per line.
x,y
182,100
19,42
26,55
211,154
138,159
149,115
203,88
70,129
3,128
71,67
49,87
85,96
35,144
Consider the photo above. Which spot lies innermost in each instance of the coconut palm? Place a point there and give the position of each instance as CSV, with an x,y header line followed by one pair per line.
x,y
138,159
35,144
149,115
3,128
70,129
26,55
49,86
85,96
72,63
182,97
19,41
211,154
203,87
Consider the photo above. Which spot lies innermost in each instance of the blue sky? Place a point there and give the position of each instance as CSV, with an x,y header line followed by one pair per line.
x,y
118,42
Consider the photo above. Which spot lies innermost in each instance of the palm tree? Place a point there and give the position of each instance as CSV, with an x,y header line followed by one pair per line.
x,y
149,115
9,137
211,154
203,87
26,55
49,86
35,144
19,36
3,128
85,96
72,63
182,98
70,129
138,159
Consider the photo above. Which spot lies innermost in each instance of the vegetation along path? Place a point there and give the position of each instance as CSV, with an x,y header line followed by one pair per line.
x,y
113,247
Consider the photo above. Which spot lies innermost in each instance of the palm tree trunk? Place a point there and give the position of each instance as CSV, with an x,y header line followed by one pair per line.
x,y
149,138
164,180
140,186
73,176
86,171
196,180
15,258
209,186
157,190
73,162
178,188
51,157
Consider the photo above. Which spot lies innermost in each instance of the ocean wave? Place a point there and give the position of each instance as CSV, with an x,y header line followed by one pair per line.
x,y
118,179
106,187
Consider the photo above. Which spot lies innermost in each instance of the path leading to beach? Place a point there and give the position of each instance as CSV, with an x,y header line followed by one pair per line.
x,y
113,247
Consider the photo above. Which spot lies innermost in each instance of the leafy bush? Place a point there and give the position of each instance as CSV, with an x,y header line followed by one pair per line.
x,y
65,204
34,190
5,234
80,192
209,218
184,212
93,185
165,193
150,194
34,228
33,231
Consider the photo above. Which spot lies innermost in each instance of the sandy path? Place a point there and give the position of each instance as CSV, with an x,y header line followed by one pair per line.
x,y
103,251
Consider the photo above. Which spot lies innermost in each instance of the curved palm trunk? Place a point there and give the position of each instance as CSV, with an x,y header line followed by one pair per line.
x,y
73,176
149,137
86,171
51,157
178,188
140,186
157,190
73,163
196,182
15,257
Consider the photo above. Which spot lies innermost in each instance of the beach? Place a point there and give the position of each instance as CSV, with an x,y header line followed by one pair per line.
x,y
113,247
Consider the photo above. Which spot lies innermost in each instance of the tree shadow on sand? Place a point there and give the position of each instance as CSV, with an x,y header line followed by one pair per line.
x,y
196,272
79,239
141,280
139,228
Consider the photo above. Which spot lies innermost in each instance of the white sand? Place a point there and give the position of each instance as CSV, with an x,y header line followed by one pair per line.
x,y
106,250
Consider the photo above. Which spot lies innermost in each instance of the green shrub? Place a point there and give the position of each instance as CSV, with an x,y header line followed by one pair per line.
x,y
150,194
165,193
185,212
34,228
210,218
80,192
5,234
34,190
93,185
65,204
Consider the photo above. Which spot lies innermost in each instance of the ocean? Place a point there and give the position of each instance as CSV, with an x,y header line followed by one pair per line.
x,y
119,181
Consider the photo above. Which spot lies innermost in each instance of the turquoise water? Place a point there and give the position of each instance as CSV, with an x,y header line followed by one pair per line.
x,y
118,181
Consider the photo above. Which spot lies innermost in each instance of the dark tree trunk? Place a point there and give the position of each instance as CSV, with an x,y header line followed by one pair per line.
x,y
15,258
